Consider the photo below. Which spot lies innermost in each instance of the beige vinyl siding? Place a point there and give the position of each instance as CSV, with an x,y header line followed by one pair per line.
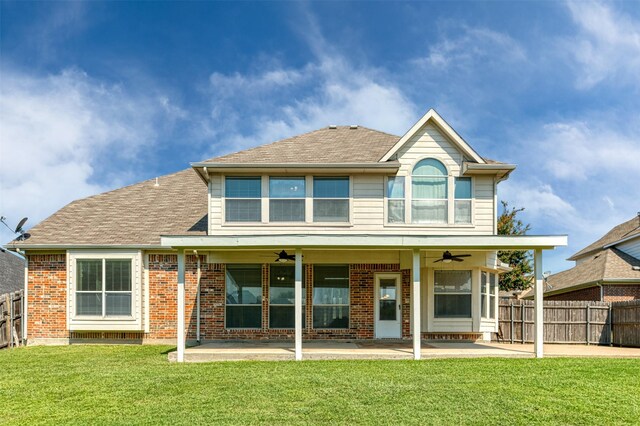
x,y
483,204
368,201
632,248
429,142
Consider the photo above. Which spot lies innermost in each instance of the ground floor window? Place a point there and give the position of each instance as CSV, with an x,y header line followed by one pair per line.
x,y
452,294
244,296
489,291
282,297
103,287
331,296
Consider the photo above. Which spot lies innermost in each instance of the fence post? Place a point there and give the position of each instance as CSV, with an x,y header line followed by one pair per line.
x,y
10,322
7,324
610,321
588,324
523,315
511,321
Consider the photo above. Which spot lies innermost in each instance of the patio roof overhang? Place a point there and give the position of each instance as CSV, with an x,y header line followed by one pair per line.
x,y
366,241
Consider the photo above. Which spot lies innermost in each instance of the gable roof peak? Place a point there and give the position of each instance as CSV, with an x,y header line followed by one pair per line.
x,y
433,116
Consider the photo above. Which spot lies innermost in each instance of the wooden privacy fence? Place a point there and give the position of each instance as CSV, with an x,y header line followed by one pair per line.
x,y
626,323
11,319
564,322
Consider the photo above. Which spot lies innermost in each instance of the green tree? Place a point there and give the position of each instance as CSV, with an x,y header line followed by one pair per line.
x,y
520,260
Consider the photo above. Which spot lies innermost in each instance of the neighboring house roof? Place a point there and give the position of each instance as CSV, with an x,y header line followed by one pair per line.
x,y
11,272
342,144
608,266
620,232
135,215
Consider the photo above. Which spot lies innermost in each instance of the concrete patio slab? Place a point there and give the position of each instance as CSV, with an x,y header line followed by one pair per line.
x,y
332,350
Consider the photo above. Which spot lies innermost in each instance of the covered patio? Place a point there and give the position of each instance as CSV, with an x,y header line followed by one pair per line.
x,y
412,245
373,350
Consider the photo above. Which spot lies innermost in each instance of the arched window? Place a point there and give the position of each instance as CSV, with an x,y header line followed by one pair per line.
x,y
429,192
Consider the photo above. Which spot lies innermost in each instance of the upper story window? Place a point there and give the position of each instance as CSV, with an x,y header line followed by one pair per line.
x,y
286,199
395,199
243,199
429,189
331,199
462,204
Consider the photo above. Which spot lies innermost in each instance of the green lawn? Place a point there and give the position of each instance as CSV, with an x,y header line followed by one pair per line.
x,y
136,384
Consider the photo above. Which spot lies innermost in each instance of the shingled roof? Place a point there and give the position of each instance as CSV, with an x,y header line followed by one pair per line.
x,y
627,229
342,144
608,265
135,215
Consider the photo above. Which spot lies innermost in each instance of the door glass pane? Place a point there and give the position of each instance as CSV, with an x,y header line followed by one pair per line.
x,y
387,311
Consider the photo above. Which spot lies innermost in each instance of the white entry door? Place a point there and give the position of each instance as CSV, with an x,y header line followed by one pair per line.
x,y
388,318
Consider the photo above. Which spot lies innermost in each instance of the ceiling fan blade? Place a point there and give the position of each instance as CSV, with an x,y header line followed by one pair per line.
x,y
461,255
455,259
439,260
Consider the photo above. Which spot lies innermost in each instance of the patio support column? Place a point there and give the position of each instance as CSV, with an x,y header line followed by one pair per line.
x,y
416,305
298,304
180,324
538,305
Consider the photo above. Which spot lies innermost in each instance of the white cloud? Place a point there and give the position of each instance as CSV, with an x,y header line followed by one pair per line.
x,y
55,130
276,102
607,46
540,200
472,45
582,150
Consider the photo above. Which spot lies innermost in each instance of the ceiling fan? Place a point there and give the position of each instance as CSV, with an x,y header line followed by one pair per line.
x,y
447,257
284,257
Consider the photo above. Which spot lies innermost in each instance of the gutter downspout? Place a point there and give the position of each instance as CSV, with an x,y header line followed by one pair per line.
x,y
199,274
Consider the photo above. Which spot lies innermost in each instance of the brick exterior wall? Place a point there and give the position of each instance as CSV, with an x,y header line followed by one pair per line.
x,y
590,293
621,293
47,296
361,321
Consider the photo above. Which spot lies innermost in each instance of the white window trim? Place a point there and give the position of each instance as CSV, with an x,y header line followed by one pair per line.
x,y
387,199
110,323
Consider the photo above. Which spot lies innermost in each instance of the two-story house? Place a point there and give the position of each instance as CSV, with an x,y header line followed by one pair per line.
x,y
340,233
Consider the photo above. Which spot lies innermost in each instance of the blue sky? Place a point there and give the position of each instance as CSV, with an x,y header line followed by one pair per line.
x,y
98,95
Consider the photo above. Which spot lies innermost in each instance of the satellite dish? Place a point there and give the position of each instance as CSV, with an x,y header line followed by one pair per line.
x,y
24,236
20,225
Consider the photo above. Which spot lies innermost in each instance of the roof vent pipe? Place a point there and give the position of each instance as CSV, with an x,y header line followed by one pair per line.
x,y
353,126
333,126
157,183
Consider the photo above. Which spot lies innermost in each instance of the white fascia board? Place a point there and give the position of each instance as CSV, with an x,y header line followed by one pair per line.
x,y
442,124
85,247
367,241
388,167
475,168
